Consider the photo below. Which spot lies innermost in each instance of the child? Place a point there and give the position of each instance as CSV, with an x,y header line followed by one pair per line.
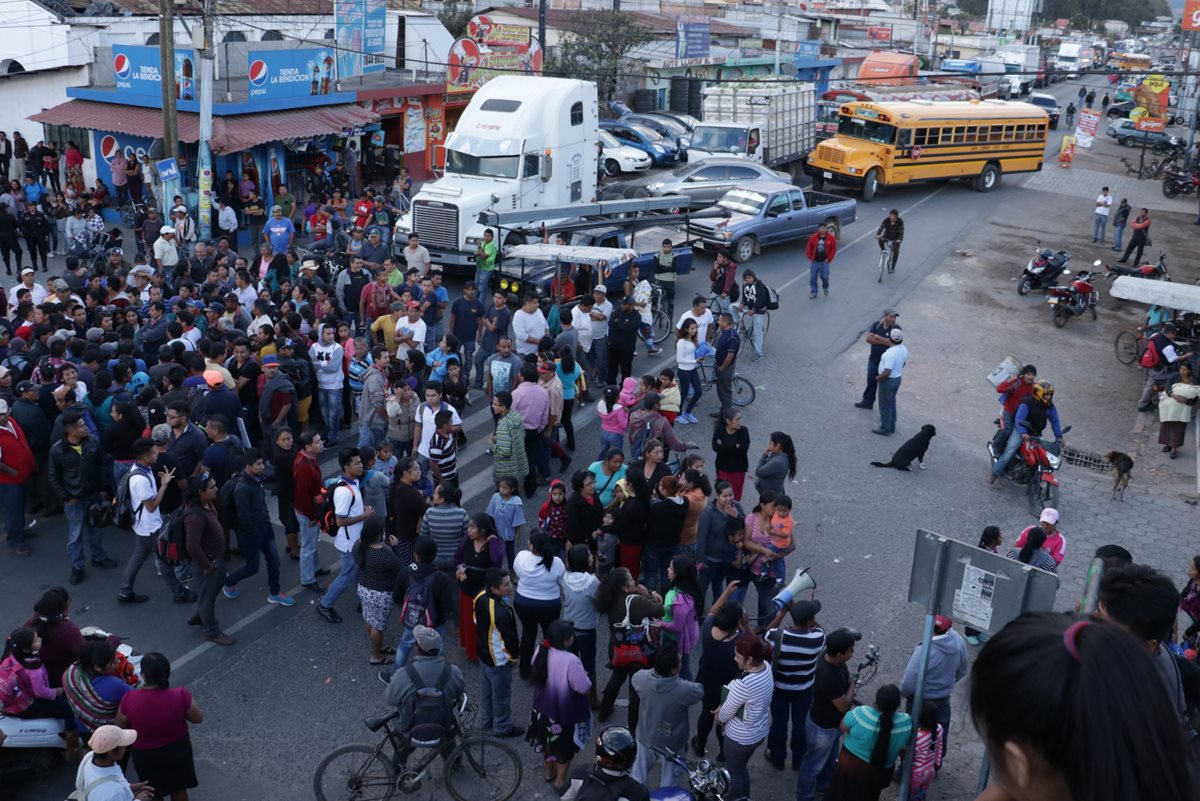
x,y
630,393
782,543
440,358
990,540
454,390
443,449
927,753
679,624
1189,601
579,587
740,568
36,698
669,392
614,421
506,509
552,517
375,484
385,462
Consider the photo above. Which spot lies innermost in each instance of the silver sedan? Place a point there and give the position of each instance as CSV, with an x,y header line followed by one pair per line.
x,y
706,181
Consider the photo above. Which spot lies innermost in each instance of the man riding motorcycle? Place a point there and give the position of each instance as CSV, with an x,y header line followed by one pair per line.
x,y
1029,421
1013,391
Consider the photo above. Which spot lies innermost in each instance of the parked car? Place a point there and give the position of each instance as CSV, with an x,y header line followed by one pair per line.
x,y
662,152
706,181
686,120
1126,133
669,129
619,158
768,213
1050,104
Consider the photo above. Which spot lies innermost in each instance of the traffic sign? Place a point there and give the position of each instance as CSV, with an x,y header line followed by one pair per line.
x,y
168,170
1191,16
916,152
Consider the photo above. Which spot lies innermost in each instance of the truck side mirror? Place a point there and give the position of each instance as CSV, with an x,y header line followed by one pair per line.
x,y
547,168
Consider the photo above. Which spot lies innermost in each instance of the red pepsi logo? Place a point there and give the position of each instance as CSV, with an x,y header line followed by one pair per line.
x,y
121,66
258,72
109,148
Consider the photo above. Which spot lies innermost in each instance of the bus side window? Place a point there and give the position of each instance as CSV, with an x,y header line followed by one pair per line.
x,y
920,138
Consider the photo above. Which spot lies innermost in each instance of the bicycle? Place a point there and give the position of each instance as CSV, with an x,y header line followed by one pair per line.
x,y
477,768
745,331
885,257
743,392
131,212
661,313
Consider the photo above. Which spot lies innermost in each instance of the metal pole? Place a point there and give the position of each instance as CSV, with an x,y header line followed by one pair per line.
x,y
939,565
1194,79
542,23
170,138
205,165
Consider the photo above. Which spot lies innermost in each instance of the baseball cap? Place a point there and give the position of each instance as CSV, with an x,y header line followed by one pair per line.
x,y
412,304
270,359
651,400
601,288
116,252
165,230
216,306
1049,515
428,640
95,334
107,738
897,335
890,311
179,210
27,270
213,378
276,208
545,367
284,342
25,386
4,371
60,285
941,624
3,406
161,433
804,611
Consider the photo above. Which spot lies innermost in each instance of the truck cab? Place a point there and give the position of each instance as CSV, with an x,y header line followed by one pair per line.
x,y
523,142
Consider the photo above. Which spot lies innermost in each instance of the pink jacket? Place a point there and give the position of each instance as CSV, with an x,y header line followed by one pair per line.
x,y
629,392
614,421
1056,544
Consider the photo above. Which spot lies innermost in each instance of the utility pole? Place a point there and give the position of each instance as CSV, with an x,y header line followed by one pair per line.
x,y
205,165
170,137
542,24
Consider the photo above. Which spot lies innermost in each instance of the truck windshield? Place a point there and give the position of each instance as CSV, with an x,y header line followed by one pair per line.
x,y
719,140
483,166
878,132
743,201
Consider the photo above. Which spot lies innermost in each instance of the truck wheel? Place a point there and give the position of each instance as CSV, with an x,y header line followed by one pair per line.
x,y
870,185
743,249
834,226
611,168
988,179
818,183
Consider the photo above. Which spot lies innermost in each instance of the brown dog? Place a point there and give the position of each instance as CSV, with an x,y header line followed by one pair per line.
x,y
1122,470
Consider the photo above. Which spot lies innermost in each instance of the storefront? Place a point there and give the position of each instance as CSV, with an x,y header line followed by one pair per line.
x,y
415,121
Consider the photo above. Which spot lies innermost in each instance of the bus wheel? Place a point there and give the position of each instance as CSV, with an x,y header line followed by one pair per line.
x,y
818,183
988,179
870,185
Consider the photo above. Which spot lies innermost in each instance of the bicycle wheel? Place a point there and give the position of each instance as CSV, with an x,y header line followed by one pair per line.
x,y
743,392
766,323
662,326
482,769
883,261
1126,347
128,218
354,773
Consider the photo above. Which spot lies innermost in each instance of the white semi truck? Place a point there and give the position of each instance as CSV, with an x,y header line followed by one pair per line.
x,y
1021,63
1068,58
772,123
523,142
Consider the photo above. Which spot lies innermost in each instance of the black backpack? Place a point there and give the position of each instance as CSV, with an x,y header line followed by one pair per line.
x,y
429,707
418,602
227,511
171,544
124,513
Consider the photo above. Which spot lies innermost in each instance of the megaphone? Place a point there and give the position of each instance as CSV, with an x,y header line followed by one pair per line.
x,y
800,582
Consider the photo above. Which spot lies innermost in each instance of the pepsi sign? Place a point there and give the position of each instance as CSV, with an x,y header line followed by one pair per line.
x,y
108,145
290,73
138,70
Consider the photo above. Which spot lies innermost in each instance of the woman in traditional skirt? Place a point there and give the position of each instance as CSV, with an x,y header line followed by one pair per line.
x,y
1175,409
160,713
560,723
379,566
873,738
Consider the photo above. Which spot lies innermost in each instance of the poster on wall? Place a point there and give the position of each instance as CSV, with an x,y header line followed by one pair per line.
x,y
359,32
471,65
137,71
483,30
693,37
1151,100
107,145
414,126
291,73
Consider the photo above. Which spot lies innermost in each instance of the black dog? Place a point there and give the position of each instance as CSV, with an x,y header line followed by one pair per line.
x,y
913,449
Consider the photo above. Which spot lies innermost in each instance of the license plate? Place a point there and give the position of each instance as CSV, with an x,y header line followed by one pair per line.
x,y
827,174
1052,301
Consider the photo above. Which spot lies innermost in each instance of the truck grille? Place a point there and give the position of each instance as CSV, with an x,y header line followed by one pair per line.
x,y
831,155
436,222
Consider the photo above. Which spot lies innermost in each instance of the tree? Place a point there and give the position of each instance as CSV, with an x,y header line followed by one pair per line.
x,y
455,17
594,45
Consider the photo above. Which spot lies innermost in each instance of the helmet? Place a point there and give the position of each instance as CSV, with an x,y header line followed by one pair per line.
x,y
615,748
1043,392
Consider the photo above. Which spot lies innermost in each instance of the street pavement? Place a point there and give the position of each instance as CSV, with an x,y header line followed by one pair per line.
x,y
294,687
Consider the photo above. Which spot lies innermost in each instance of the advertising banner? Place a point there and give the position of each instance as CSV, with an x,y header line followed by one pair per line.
x,y
1191,16
693,37
291,73
1086,127
359,31
1151,101
138,71
487,32
879,33
472,66
107,145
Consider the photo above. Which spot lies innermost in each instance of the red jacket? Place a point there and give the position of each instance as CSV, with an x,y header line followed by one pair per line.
x,y
830,247
307,475
15,453
1014,391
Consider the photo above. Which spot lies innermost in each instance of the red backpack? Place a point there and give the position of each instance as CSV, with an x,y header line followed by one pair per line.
x,y
1150,356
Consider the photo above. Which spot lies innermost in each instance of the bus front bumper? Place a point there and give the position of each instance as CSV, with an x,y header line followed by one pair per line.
x,y
834,177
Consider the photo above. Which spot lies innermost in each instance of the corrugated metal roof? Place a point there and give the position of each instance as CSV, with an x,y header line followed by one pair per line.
x,y
244,7
567,20
230,134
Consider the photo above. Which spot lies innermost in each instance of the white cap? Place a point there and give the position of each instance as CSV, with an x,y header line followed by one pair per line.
x,y
27,270
166,229
3,406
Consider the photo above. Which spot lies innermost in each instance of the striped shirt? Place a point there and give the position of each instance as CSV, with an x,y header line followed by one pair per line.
x,y
795,660
447,525
746,710
1040,559
927,753
443,450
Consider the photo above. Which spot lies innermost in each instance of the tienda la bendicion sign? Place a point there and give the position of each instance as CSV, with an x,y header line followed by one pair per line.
x,y
290,73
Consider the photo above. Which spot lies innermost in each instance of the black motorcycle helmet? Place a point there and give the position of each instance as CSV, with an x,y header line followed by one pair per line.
x,y
615,748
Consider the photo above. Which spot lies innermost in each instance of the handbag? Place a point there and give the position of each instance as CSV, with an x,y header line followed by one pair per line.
x,y
631,646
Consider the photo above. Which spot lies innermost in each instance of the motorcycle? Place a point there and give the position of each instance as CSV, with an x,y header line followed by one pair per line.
x,y
1034,466
1073,300
707,781
1178,182
1154,272
1043,269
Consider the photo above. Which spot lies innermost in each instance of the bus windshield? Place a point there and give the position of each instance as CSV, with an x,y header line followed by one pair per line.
x,y
483,166
878,132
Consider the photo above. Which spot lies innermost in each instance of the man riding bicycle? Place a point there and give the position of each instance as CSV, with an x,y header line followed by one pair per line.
x,y
891,230
426,669
1070,114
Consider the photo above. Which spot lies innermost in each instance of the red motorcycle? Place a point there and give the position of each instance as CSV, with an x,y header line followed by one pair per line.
x,y
1153,272
1073,300
1178,182
1034,466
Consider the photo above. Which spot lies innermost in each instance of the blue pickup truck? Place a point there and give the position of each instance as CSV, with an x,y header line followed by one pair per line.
x,y
765,213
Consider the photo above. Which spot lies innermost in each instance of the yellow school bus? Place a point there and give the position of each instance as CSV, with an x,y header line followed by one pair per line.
x,y
1131,62
893,144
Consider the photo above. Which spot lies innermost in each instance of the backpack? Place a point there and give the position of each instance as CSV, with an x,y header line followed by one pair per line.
x,y
631,644
227,511
637,443
1150,356
429,708
235,457
323,507
13,698
171,544
772,298
125,514
418,602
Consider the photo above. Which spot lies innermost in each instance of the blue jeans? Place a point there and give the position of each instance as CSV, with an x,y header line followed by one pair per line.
x,y
119,469
370,435
784,703
12,498
263,545
689,387
1118,235
406,643
481,281
481,356
495,698
600,358
758,323
330,401
310,537
608,441
345,579
1010,450
646,331
820,755
468,358
1098,224
887,404
77,524
818,269
672,776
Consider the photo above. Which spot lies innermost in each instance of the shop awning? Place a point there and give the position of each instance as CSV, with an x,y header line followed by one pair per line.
x,y
230,134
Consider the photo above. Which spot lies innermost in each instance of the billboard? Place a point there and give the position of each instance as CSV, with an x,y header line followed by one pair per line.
x,y
1151,101
138,71
1086,127
359,31
1191,16
290,73
693,36
472,66
107,145
483,30
879,33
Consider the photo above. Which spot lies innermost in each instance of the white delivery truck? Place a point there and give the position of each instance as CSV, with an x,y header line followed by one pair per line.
x,y
1068,57
523,142
1021,63
772,123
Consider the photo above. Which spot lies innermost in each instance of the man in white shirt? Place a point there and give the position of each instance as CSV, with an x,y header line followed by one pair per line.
x,y
891,370
1103,206
425,426
410,331
702,315
581,321
166,251
145,497
245,291
600,314
37,292
529,326
350,512
416,257
100,776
